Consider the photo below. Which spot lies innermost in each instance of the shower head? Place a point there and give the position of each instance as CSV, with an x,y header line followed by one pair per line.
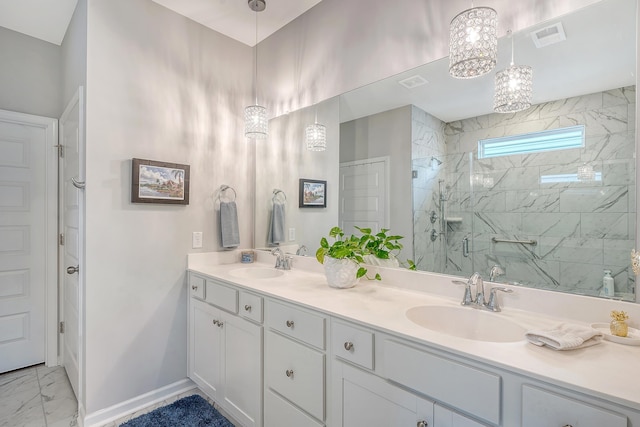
x,y
435,162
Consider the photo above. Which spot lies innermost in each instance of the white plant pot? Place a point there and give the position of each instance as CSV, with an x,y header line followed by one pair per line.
x,y
341,273
374,260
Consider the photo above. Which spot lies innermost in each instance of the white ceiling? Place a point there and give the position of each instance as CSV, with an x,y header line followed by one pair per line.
x,y
235,19
48,19
44,19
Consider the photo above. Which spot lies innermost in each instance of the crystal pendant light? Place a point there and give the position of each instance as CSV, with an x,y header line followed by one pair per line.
x,y
315,136
513,87
256,124
473,42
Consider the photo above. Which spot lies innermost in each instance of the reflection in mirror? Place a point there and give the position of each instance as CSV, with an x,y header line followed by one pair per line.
x,y
460,213
281,161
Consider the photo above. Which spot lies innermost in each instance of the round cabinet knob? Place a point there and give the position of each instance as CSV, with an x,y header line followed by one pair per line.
x,y
247,307
215,322
422,424
194,287
289,323
289,373
348,346
72,270
220,324
567,425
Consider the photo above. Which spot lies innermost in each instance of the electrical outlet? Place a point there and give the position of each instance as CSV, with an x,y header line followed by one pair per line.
x,y
292,234
196,240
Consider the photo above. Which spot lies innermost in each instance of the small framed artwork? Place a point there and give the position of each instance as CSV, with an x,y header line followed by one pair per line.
x,y
159,182
313,193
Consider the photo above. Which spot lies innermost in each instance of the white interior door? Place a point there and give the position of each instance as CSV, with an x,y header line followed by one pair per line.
x,y
363,195
27,238
71,202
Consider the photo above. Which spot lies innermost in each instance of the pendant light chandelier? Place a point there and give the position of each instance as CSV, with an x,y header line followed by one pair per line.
x,y
473,42
513,87
255,116
315,136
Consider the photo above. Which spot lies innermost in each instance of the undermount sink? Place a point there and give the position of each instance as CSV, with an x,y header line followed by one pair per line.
x,y
256,273
466,322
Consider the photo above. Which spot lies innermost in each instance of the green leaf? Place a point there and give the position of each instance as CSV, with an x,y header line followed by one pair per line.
x,y
412,265
324,243
361,272
395,237
364,230
335,231
320,255
378,276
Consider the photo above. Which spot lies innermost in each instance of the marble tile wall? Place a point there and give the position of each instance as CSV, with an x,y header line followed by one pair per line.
x,y
581,227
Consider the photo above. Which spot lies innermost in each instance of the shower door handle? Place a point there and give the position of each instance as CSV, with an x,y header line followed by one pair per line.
x,y
465,247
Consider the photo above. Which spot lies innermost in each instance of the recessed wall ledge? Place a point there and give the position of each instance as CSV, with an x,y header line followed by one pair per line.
x,y
556,304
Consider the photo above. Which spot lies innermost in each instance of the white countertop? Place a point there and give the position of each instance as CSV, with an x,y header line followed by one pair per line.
x,y
607,370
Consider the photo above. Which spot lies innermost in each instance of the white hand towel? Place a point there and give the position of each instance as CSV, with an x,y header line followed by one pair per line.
x,y
565,337
276,228
229,225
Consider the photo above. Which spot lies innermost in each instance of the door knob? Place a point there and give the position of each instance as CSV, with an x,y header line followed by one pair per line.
x,y
71,270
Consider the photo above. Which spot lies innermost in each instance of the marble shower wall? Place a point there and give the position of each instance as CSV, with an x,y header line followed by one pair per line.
x,y
582,227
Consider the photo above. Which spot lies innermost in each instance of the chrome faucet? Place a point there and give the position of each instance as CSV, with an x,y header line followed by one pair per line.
x,y
479,300
302,251
283,262
476,280
496,271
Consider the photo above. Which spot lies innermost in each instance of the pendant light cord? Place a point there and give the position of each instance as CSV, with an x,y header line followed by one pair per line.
x,y
255,62
510,34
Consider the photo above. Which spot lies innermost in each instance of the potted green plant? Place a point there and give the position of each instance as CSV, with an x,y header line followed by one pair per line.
x,y
344,258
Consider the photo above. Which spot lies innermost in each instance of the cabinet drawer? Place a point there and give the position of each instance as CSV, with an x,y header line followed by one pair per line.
x,y
250,306
222,296
279,413
196,286
353,344
462,386
296,372
296,323
544,408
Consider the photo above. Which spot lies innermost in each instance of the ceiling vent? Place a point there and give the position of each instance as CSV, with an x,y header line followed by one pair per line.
x,y
548,35
413,82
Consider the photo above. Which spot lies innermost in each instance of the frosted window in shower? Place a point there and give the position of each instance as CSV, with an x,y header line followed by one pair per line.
x,y
535,142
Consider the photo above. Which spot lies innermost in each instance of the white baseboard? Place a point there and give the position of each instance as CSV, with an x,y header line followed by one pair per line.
x,y
127,407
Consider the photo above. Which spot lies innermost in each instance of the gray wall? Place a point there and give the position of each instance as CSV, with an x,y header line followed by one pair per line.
x,y
380,135
30,75
160,87
74,53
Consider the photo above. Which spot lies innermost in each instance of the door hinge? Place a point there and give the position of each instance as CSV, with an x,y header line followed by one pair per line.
x,y
60,148
61,327
61,239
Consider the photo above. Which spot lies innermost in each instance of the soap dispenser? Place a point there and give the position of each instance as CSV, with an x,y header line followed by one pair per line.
x,y
607,284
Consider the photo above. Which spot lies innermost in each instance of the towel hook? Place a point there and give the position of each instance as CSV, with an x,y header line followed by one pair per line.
x,y
224,188
275,195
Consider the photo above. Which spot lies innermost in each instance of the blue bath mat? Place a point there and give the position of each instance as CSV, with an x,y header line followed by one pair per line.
x,y
191,411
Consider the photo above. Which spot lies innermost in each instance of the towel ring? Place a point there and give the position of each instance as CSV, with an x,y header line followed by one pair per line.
x,y
275,195
224,188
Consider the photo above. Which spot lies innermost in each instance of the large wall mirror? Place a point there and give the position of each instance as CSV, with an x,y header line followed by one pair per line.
x,y
408,159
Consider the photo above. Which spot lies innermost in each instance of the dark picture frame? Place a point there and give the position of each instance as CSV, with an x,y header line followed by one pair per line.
x,y
159,182
312,193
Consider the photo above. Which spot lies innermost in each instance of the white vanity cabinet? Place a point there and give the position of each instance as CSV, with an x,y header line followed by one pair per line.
x,y
294,366
542,407
381,395
225,350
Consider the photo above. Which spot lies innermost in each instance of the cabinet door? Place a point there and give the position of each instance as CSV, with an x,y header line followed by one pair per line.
x,y
206,347
444,417
368,400
243,370
544,408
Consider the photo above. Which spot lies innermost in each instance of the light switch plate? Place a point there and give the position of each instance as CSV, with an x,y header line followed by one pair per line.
x,y
292,234
196,240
